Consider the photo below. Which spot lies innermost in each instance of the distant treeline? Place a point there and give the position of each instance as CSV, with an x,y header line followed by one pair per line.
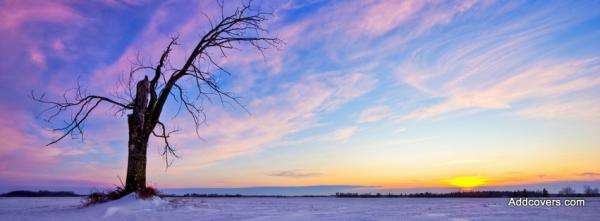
x,y
41,193
211,195
565,192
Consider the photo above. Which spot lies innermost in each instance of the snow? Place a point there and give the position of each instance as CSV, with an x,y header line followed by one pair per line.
x,y
263,209
129,205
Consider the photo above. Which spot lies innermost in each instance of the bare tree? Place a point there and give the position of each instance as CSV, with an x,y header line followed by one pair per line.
x,y
589,191
567,191
161,82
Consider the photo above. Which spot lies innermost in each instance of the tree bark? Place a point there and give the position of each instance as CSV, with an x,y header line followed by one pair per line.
x,y
136,166
138,140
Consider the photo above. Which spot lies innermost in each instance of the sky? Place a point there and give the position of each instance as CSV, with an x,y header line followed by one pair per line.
x,y
371,94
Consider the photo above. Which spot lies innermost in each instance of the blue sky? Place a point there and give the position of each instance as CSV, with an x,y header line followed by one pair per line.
x,y
394,94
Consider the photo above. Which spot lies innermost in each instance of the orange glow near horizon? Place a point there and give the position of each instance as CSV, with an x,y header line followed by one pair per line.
x,y
467,182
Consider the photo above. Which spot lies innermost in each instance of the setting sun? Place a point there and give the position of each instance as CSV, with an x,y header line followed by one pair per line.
x,y
467,182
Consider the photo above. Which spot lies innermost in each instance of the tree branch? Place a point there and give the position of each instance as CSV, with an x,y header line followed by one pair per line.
x,y
168,149
82,105
243,26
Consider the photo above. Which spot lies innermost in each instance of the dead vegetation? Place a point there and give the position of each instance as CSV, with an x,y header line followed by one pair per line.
x,y
102,197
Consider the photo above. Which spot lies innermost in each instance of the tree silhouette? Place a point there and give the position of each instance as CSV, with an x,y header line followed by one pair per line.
x,y
589,191
159,83
544,193
567,191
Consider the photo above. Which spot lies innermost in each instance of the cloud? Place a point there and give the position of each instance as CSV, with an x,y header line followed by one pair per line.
x,y
362,83
150,43
379,17
462,162
548,79
294,174
26,157
169,21
117,3
399,130
498,68
25,28
577,108
274,117
359,34
21,150
343,134
373,18
590,174
340,135
37,57
16,14
374,114
51,43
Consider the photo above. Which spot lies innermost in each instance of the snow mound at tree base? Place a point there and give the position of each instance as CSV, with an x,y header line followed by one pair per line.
x,y
128,205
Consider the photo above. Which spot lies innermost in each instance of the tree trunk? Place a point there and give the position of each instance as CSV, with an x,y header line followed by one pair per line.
x,y
138,140
136,164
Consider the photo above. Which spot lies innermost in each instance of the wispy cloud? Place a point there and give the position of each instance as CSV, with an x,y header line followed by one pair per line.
x,y
567,108
343,134
538,81
497,69
25,159
590,174
274,117
374,114
294,174
16,14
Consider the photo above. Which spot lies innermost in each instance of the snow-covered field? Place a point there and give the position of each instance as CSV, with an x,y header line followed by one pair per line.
x,y
322,208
